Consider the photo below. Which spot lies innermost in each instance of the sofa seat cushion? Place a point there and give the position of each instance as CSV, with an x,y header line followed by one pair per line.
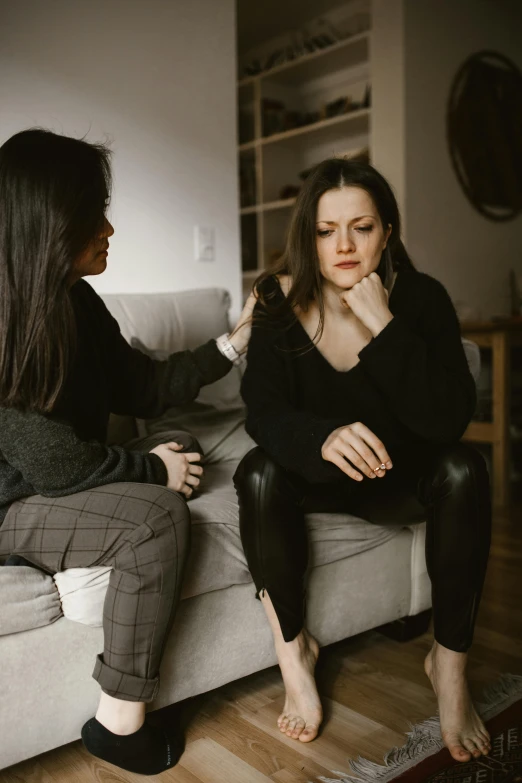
x,y
216,559
29,599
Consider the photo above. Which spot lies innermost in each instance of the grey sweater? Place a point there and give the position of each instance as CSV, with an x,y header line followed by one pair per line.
x,y
64,453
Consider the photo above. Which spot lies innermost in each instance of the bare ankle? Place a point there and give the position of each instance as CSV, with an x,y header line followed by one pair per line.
x,y
444,657
120,716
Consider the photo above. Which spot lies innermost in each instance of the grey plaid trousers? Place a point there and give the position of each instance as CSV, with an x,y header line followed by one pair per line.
x,y
143,532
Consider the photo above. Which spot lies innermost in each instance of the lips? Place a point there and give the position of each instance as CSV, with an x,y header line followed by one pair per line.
x,y
347,264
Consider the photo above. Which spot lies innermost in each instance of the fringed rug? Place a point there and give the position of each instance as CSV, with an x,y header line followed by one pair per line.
x,y
424,759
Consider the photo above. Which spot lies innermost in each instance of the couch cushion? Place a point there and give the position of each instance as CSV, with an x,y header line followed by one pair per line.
x,y
164,323
29,599
217,560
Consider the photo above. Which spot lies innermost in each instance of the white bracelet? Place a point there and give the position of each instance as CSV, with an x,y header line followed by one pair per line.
x,y
227,349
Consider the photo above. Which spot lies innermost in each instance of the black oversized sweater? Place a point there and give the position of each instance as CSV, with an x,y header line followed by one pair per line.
x,y
65,452
412,384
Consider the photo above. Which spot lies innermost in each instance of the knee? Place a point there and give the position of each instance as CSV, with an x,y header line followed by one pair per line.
x,y
168,519
461,465
256,471
187,440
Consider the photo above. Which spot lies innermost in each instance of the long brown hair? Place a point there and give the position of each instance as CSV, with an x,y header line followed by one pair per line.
x,y
300,260
53,196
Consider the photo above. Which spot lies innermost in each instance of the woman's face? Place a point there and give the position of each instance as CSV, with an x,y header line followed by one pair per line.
x,y
350,237
93,260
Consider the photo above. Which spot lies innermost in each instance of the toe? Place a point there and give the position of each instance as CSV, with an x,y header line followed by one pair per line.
x,y
283,722
470,745
483,742
299,726
308,734
459,752
291,725
485,737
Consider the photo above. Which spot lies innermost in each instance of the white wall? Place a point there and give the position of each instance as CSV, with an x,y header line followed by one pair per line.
x,y
157,79
446,236
388,120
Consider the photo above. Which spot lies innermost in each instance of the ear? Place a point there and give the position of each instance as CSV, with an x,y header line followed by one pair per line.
x,y
387,235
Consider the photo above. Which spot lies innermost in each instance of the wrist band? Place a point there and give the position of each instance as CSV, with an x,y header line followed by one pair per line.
x,y
227,349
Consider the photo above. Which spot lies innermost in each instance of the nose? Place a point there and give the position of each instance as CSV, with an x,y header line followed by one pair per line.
x,y
107,230
345,243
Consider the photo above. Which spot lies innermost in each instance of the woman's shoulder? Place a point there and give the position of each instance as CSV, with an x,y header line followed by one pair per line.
x,y
86,301
422,299
84,293
274,286
420,285
272,293
272,313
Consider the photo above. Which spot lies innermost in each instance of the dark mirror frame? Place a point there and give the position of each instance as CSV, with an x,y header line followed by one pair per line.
x,y
484,134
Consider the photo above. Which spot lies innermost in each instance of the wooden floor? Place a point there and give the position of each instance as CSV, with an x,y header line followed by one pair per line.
x,y
373,688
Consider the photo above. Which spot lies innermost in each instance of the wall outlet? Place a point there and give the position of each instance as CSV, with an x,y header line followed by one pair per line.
x,y
204,243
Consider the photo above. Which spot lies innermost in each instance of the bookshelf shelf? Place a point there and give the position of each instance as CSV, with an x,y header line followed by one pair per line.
x,y
271,163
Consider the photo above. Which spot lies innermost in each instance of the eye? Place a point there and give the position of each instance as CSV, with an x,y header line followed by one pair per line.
x,y
364,229
324,232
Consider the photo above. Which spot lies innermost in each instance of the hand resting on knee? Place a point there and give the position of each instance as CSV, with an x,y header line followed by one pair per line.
x,y
183,475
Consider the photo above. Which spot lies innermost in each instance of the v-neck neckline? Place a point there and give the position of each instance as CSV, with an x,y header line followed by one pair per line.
x,y
314,346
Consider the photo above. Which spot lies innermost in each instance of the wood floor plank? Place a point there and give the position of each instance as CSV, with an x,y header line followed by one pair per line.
x,y
75,765
177,774
28,772
345,733
392,701
212,763
253,745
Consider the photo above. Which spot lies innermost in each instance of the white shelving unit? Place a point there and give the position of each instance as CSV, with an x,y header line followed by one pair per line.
x,y
271,163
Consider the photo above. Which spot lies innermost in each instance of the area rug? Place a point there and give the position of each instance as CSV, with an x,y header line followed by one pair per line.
x,y
424,759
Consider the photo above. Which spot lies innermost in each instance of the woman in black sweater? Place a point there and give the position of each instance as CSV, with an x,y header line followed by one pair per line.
x,y
67,499
358,391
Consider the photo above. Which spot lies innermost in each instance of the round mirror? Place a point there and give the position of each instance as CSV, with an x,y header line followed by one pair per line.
x,y
484,127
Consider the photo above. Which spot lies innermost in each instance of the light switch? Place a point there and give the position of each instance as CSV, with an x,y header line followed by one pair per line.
x,y
204,243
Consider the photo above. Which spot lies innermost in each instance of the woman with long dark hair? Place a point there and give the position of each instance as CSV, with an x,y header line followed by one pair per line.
x,y
66,499
358,392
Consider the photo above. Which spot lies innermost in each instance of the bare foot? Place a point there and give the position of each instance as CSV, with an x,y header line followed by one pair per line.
x,y
463,732
302,713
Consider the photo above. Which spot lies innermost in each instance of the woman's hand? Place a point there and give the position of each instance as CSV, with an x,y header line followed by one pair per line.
x,y
368,299
357,444
241,334
183,475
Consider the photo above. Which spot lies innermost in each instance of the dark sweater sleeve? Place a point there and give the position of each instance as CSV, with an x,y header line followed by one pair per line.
x,y
145,387
424,373
291,437
55,462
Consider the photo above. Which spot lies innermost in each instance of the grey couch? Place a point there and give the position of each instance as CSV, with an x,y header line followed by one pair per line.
x,y
362,575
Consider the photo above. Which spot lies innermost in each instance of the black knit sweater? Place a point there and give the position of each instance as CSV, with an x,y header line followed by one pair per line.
x,y
65,453
411,385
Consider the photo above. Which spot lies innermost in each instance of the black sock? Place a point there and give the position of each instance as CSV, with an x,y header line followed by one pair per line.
x,y
146,751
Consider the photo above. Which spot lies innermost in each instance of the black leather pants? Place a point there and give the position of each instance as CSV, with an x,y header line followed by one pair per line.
x,y
448,486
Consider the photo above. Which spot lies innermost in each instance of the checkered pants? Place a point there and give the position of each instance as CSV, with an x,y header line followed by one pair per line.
x,y
143,532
